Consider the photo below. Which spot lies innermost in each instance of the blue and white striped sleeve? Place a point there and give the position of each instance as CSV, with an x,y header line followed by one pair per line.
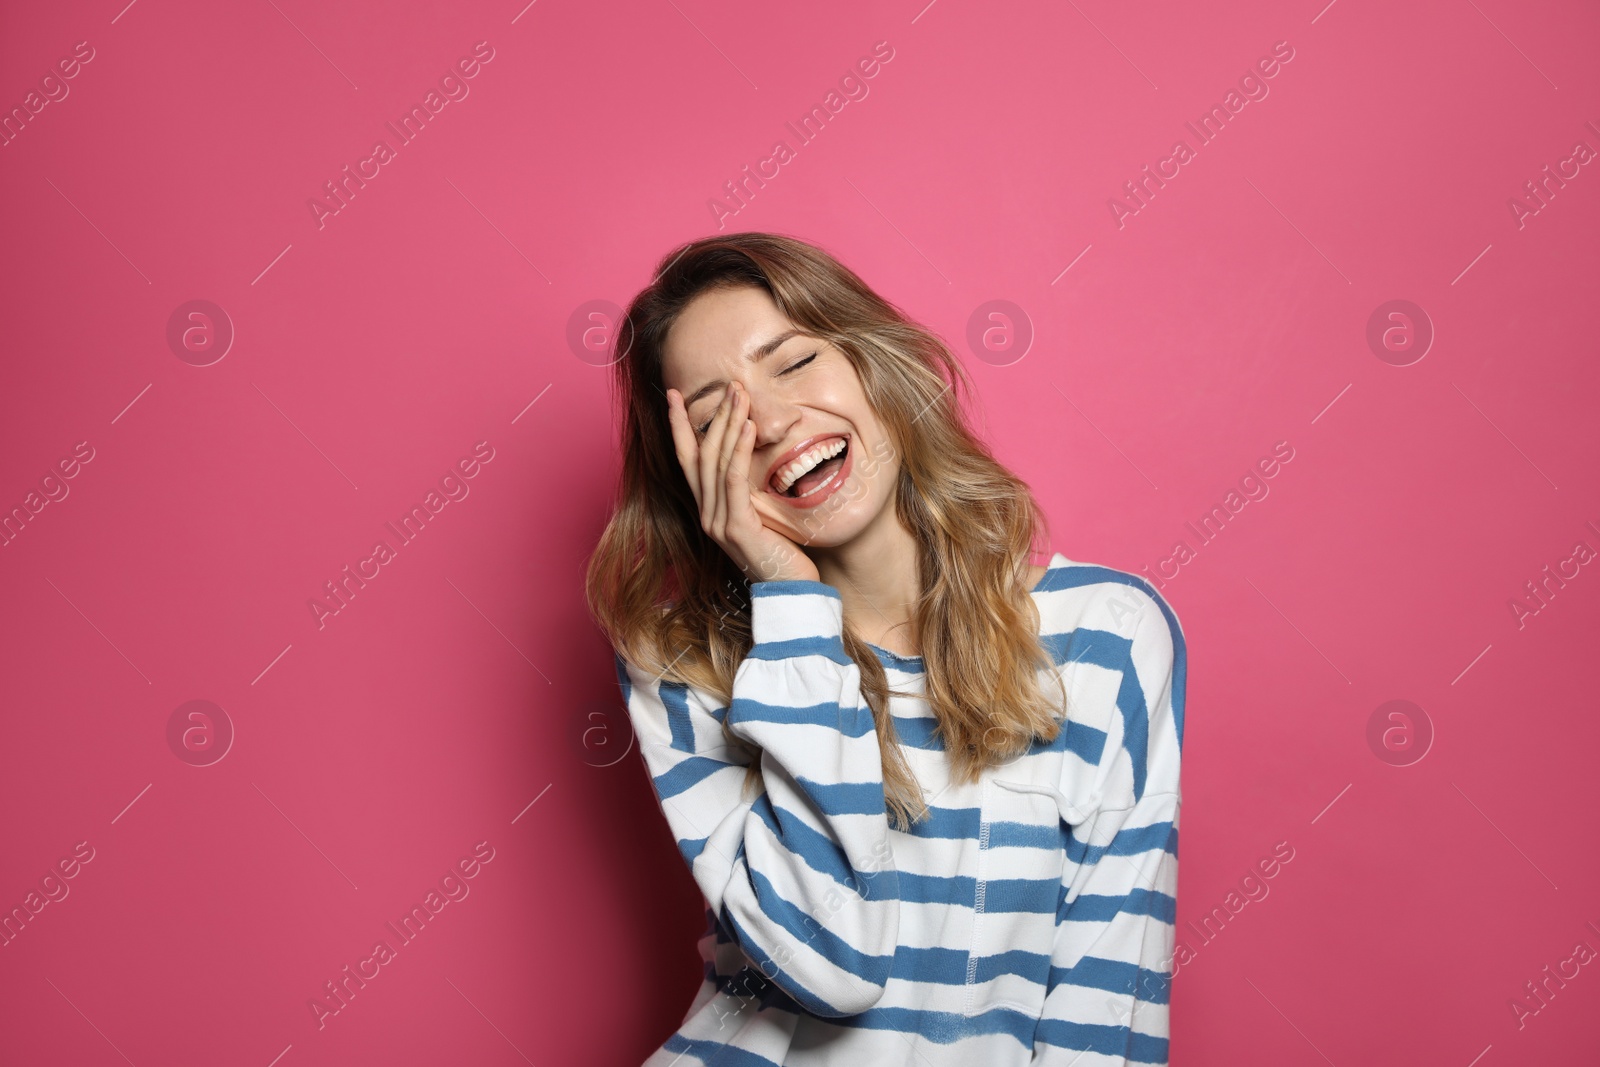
x,y
1108,994
799,870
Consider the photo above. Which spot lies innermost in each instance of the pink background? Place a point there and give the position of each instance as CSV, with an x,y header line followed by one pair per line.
x,y
464,682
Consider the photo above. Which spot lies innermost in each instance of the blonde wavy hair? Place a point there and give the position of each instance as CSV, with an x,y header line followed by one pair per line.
x,y
673,603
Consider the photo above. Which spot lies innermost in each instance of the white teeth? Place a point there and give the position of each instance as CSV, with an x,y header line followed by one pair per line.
x,y
823,452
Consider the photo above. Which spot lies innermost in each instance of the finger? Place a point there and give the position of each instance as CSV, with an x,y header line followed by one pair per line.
x,y
744,525
741,497
683,441
731,442
710,447
729,435
731,439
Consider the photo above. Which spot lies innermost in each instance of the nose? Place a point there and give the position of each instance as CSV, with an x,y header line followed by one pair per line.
x,y
773,414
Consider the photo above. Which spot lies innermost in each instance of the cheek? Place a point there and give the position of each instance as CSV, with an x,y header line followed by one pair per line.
x,y
836,389
878,463
876,482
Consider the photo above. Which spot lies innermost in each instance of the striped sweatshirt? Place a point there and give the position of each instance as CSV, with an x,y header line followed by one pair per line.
x,y
1026,918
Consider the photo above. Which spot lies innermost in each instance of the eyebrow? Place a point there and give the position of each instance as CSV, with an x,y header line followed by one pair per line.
x,y
757,356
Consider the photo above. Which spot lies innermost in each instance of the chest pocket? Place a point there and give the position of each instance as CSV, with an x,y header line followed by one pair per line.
x,y
1021,863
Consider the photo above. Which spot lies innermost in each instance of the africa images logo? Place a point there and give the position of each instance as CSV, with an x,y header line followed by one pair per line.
x,y
452,84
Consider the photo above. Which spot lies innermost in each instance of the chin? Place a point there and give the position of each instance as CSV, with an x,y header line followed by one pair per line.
x,y
839,526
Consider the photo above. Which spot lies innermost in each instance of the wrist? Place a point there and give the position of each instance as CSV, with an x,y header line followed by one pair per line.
x,y
794,609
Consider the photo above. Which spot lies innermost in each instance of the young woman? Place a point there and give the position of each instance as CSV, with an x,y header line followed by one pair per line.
x,y
929,791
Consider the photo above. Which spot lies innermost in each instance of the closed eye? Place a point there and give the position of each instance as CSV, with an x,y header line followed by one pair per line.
x,y
796,365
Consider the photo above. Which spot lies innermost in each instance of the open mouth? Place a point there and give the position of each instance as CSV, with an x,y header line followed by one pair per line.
x,y
813,472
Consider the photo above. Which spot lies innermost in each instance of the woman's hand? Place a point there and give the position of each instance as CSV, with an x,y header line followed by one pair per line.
x,y
718,469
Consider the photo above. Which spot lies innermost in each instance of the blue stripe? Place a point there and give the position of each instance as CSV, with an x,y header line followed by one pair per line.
x,y
1027,835
1086,644
920,731
1082,740
1135,724
1128,841
1074,577
1114,653
822,853
846,798
1035,895
831,648
692,847
948,966
852,722
803,996
1024,964
1114,976
793,587
1085,741
943,966
1039,896
947,823
833,948
939,889
748,982
1082,574
686,774
675,698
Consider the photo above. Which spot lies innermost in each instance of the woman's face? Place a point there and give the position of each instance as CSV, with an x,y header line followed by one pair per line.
x,y
804,395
